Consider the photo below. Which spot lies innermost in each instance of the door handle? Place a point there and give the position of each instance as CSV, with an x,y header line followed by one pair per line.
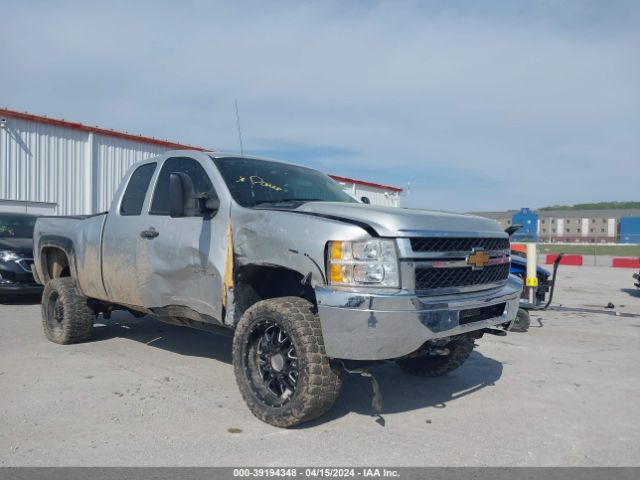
x,y
151,233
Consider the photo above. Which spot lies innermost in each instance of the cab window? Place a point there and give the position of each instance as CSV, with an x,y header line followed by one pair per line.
x,y
200,179
136,191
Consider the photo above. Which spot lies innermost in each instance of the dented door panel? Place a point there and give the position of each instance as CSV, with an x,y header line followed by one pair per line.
x,y
182,265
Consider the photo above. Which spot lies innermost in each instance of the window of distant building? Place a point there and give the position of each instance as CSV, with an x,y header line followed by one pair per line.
x,y
568,230
553,221
553,230
602,230
592,230
542,222
544,230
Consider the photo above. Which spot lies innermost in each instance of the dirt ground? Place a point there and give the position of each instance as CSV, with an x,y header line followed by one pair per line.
x,y
144,393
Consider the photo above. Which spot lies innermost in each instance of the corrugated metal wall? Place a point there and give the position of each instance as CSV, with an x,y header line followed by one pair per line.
x,y
76,170
113,157
376,196
39,163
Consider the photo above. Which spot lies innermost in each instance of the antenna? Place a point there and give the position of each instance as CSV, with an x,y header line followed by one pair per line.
x,y
239,129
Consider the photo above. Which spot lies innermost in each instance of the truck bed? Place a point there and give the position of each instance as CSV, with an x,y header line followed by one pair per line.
x,y
80,237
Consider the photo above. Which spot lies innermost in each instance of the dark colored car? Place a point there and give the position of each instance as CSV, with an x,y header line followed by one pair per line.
x,y
16,255
519,269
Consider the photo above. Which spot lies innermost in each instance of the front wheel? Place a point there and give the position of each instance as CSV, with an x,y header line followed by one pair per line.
x,y
280,364
521,322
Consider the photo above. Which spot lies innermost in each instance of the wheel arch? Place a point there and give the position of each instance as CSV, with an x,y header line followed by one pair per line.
x,y
57,259
256,282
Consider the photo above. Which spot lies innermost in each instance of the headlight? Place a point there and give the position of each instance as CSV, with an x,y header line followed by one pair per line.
x,y
368,262
8,255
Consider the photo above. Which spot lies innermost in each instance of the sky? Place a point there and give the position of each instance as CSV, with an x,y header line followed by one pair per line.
x,y
487,105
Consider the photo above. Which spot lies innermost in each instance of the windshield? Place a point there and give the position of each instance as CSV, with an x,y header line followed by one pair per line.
x,y
254,182
16,226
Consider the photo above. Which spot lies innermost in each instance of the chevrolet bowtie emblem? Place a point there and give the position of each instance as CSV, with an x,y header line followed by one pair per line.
x,y
478,259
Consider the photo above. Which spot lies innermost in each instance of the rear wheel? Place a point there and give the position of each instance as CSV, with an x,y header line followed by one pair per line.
x,y
66,317
280,364
438,365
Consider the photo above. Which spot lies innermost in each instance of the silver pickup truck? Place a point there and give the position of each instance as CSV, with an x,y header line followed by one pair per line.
x,y
302,275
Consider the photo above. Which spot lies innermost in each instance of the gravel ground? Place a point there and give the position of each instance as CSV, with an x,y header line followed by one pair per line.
x,y
145,393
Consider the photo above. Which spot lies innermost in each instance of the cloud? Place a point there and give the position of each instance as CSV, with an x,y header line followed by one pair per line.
x,y
492,105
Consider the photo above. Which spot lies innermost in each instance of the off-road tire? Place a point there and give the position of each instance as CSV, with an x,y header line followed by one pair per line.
x,y
438,365
318,378
66,317
521,322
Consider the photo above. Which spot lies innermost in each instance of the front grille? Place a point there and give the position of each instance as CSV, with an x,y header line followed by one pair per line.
x,y
436,278
422,244
482,313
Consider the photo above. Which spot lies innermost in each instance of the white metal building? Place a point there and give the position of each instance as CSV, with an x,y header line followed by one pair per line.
x,y
51,166
377,193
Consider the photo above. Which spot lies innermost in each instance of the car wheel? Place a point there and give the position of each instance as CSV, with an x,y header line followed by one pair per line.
x,y
280,364
438,365
66,316
521,322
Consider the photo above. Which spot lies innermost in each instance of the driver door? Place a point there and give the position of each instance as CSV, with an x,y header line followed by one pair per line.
x,y
179,256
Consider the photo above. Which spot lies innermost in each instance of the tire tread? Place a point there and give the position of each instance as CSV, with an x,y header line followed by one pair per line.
x,y
77,323
323,380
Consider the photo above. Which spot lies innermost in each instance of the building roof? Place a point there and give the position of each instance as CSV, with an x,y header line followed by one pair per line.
x,y
101,131
365,184
587,213
495,215
150,140
606,213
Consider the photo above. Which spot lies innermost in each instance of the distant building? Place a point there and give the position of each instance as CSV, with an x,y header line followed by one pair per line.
x,y
377,193
56,167
630,230
591,226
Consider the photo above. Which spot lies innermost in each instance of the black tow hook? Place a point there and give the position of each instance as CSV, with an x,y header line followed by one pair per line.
x,y
493,331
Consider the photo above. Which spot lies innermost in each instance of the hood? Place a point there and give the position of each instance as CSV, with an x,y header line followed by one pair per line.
x,y
20,245
404,222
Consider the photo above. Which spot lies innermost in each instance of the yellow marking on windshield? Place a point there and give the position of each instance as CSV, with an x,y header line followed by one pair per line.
x,y
255,180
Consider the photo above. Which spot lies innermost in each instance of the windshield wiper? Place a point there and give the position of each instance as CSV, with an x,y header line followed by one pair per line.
x,y
287,200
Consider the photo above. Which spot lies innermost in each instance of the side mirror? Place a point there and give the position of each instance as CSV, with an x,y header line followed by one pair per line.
x,y
512,229
181,196
365,200
211,204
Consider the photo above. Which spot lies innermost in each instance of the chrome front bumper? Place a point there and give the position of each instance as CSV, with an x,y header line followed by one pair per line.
x,y
378,326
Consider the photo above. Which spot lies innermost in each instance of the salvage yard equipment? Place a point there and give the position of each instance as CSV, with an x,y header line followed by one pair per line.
x,y
537,294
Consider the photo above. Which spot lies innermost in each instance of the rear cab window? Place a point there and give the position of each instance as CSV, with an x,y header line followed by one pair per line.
x,y
134,195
